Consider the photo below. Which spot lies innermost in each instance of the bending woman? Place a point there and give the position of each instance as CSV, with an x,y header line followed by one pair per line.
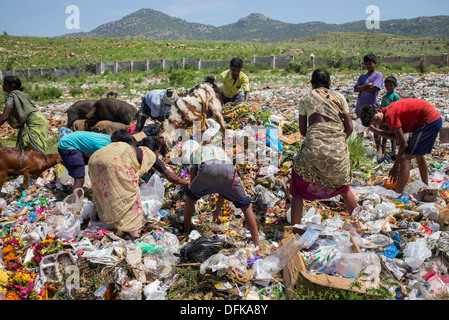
x,y
322,169
22,114
114,171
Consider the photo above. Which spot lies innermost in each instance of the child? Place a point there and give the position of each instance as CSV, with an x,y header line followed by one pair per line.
x,y
414,116
391,96
211,171
368,87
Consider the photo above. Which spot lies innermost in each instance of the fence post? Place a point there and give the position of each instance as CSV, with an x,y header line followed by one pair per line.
x,y
147,65
198,63
162,63
115,66
399,59
1,75
272,62
41,72
445,60
99,68
183,63
253,60
421,62
131,65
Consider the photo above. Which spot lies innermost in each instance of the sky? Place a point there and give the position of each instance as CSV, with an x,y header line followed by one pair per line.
x,y
49,18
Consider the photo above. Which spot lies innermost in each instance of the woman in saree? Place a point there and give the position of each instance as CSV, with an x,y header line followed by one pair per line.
x,y
115,171
321,169
21,113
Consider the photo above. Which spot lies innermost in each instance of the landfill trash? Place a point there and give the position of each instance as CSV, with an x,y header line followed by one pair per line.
x,y
221,264
152,196
199,250
401,231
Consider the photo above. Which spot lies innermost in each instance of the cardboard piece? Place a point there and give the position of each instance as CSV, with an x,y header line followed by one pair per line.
x,y
295,272
138,136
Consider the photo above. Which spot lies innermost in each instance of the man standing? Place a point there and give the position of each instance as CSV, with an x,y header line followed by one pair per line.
x,y
233,81
414,116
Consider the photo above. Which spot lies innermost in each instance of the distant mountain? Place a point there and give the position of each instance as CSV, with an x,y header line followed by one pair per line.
x,y
151,24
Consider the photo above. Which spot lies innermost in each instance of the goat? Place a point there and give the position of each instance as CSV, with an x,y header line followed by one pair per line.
x,y
199,103
14,161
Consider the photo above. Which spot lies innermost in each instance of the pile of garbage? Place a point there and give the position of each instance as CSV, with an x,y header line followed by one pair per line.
x,y
53,245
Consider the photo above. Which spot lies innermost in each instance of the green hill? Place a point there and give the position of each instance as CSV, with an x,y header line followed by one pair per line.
x,y
152,24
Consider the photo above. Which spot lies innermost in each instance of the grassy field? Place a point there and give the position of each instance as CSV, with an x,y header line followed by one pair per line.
x,y
34,52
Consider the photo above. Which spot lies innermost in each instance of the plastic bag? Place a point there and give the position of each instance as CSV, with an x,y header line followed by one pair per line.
x,y
199,250
71,204
221,263
133,291
351,264
212,129
154,291
265,268
69,229
416,252
152,197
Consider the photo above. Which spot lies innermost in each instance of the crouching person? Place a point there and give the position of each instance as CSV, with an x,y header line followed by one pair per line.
x,y
115,171
414,116
211,171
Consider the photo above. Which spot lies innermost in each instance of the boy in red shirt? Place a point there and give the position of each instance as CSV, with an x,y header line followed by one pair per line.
x,y
414,116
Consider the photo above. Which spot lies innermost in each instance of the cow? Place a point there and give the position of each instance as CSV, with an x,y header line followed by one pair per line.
x,y
78,111
113,110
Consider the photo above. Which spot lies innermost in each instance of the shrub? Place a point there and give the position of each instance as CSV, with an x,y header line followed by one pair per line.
x,y
300,66
98,91
76,92
180,77
45,94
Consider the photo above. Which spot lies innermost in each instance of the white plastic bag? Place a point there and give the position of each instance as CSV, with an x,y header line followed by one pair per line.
x,y
152,197
71,204
416,252
212,129
69,229
154,291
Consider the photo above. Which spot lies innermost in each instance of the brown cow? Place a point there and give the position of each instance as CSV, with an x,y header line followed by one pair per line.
x,y
108,127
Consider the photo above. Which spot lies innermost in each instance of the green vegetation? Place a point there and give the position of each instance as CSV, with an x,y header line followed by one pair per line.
x,y
17,53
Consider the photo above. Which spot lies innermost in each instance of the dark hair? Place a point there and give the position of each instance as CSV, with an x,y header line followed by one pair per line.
x,y
121,135
367,113
321,78
392,79
236,62
14,82
150,142
370,58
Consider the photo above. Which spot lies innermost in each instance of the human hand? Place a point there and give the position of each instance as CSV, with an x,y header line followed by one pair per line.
x,y
394,174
